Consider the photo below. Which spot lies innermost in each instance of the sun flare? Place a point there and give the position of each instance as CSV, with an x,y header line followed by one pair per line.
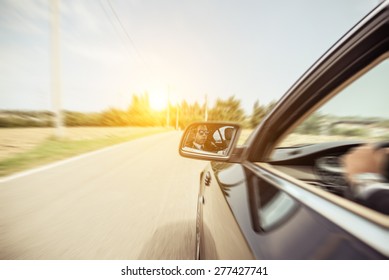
x,y
158,100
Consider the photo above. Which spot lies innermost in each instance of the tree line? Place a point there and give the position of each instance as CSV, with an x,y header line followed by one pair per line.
x,y
140,113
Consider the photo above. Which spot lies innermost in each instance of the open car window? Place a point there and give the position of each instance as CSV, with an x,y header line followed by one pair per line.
x,y
358,112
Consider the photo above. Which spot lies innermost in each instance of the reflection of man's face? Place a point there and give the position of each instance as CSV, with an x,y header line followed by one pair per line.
x,y
201,134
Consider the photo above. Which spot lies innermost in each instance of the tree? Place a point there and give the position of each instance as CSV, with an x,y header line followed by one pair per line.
x,y
311,125
139,112
188,113
114,117
227,110
259,112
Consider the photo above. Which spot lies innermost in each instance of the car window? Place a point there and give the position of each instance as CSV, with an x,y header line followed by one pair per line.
x,y
356,114
216,136
274,206
220,134
359,111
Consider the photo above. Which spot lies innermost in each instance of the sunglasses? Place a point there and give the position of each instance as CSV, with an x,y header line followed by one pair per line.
x,y
203,132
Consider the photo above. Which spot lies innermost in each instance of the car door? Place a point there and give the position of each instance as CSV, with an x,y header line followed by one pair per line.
x,y
268,205
292,217
293,222
222,187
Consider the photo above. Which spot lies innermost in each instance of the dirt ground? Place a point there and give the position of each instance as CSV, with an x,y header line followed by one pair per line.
x,y
16,140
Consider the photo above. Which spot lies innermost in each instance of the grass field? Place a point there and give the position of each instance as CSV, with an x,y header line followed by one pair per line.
x,y
24,148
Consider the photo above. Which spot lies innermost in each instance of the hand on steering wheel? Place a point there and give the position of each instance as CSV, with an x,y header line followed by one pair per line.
x,y
365,159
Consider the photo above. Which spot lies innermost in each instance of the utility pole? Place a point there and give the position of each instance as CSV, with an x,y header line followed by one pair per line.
x,y
168,108
206,109
55,68
177,115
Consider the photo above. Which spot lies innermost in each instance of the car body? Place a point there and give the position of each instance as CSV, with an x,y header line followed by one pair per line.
x,y
266,201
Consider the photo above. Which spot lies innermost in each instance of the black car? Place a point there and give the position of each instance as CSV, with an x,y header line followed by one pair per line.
x,y
283,193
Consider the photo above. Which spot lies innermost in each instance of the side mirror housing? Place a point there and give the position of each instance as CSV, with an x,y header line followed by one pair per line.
x,y
214,141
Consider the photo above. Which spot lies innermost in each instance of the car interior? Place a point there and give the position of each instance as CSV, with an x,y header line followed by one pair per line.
x,y
312,152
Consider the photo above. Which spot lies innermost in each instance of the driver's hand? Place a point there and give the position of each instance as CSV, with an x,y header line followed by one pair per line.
x,y
364,159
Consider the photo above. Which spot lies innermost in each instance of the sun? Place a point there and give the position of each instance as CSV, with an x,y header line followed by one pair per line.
x,y
158,100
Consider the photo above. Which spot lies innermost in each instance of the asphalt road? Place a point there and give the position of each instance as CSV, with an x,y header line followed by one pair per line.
x,y
136,200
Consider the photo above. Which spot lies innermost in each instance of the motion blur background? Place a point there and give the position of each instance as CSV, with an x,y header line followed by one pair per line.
x,y
122,70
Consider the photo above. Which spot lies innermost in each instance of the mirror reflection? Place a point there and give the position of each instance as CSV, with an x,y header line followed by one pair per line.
x,y
209,138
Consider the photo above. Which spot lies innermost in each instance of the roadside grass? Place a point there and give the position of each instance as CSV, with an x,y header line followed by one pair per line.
x,y
57,149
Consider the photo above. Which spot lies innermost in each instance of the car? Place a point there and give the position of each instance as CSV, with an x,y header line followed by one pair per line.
x,y
283,193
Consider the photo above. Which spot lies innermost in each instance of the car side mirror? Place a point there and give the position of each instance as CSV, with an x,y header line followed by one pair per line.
x,y
209,140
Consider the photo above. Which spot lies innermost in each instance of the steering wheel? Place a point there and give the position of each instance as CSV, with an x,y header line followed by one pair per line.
x,y
330,169
331,172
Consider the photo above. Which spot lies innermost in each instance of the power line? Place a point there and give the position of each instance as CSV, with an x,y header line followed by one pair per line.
x,y
114,27
127,35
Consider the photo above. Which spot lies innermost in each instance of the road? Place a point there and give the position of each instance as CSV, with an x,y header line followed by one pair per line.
x,y
136,200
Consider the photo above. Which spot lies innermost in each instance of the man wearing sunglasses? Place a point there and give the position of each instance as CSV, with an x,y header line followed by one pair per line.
x,y
200,137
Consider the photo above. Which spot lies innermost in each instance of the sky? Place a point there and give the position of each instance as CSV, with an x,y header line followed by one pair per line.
x,y
187,50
